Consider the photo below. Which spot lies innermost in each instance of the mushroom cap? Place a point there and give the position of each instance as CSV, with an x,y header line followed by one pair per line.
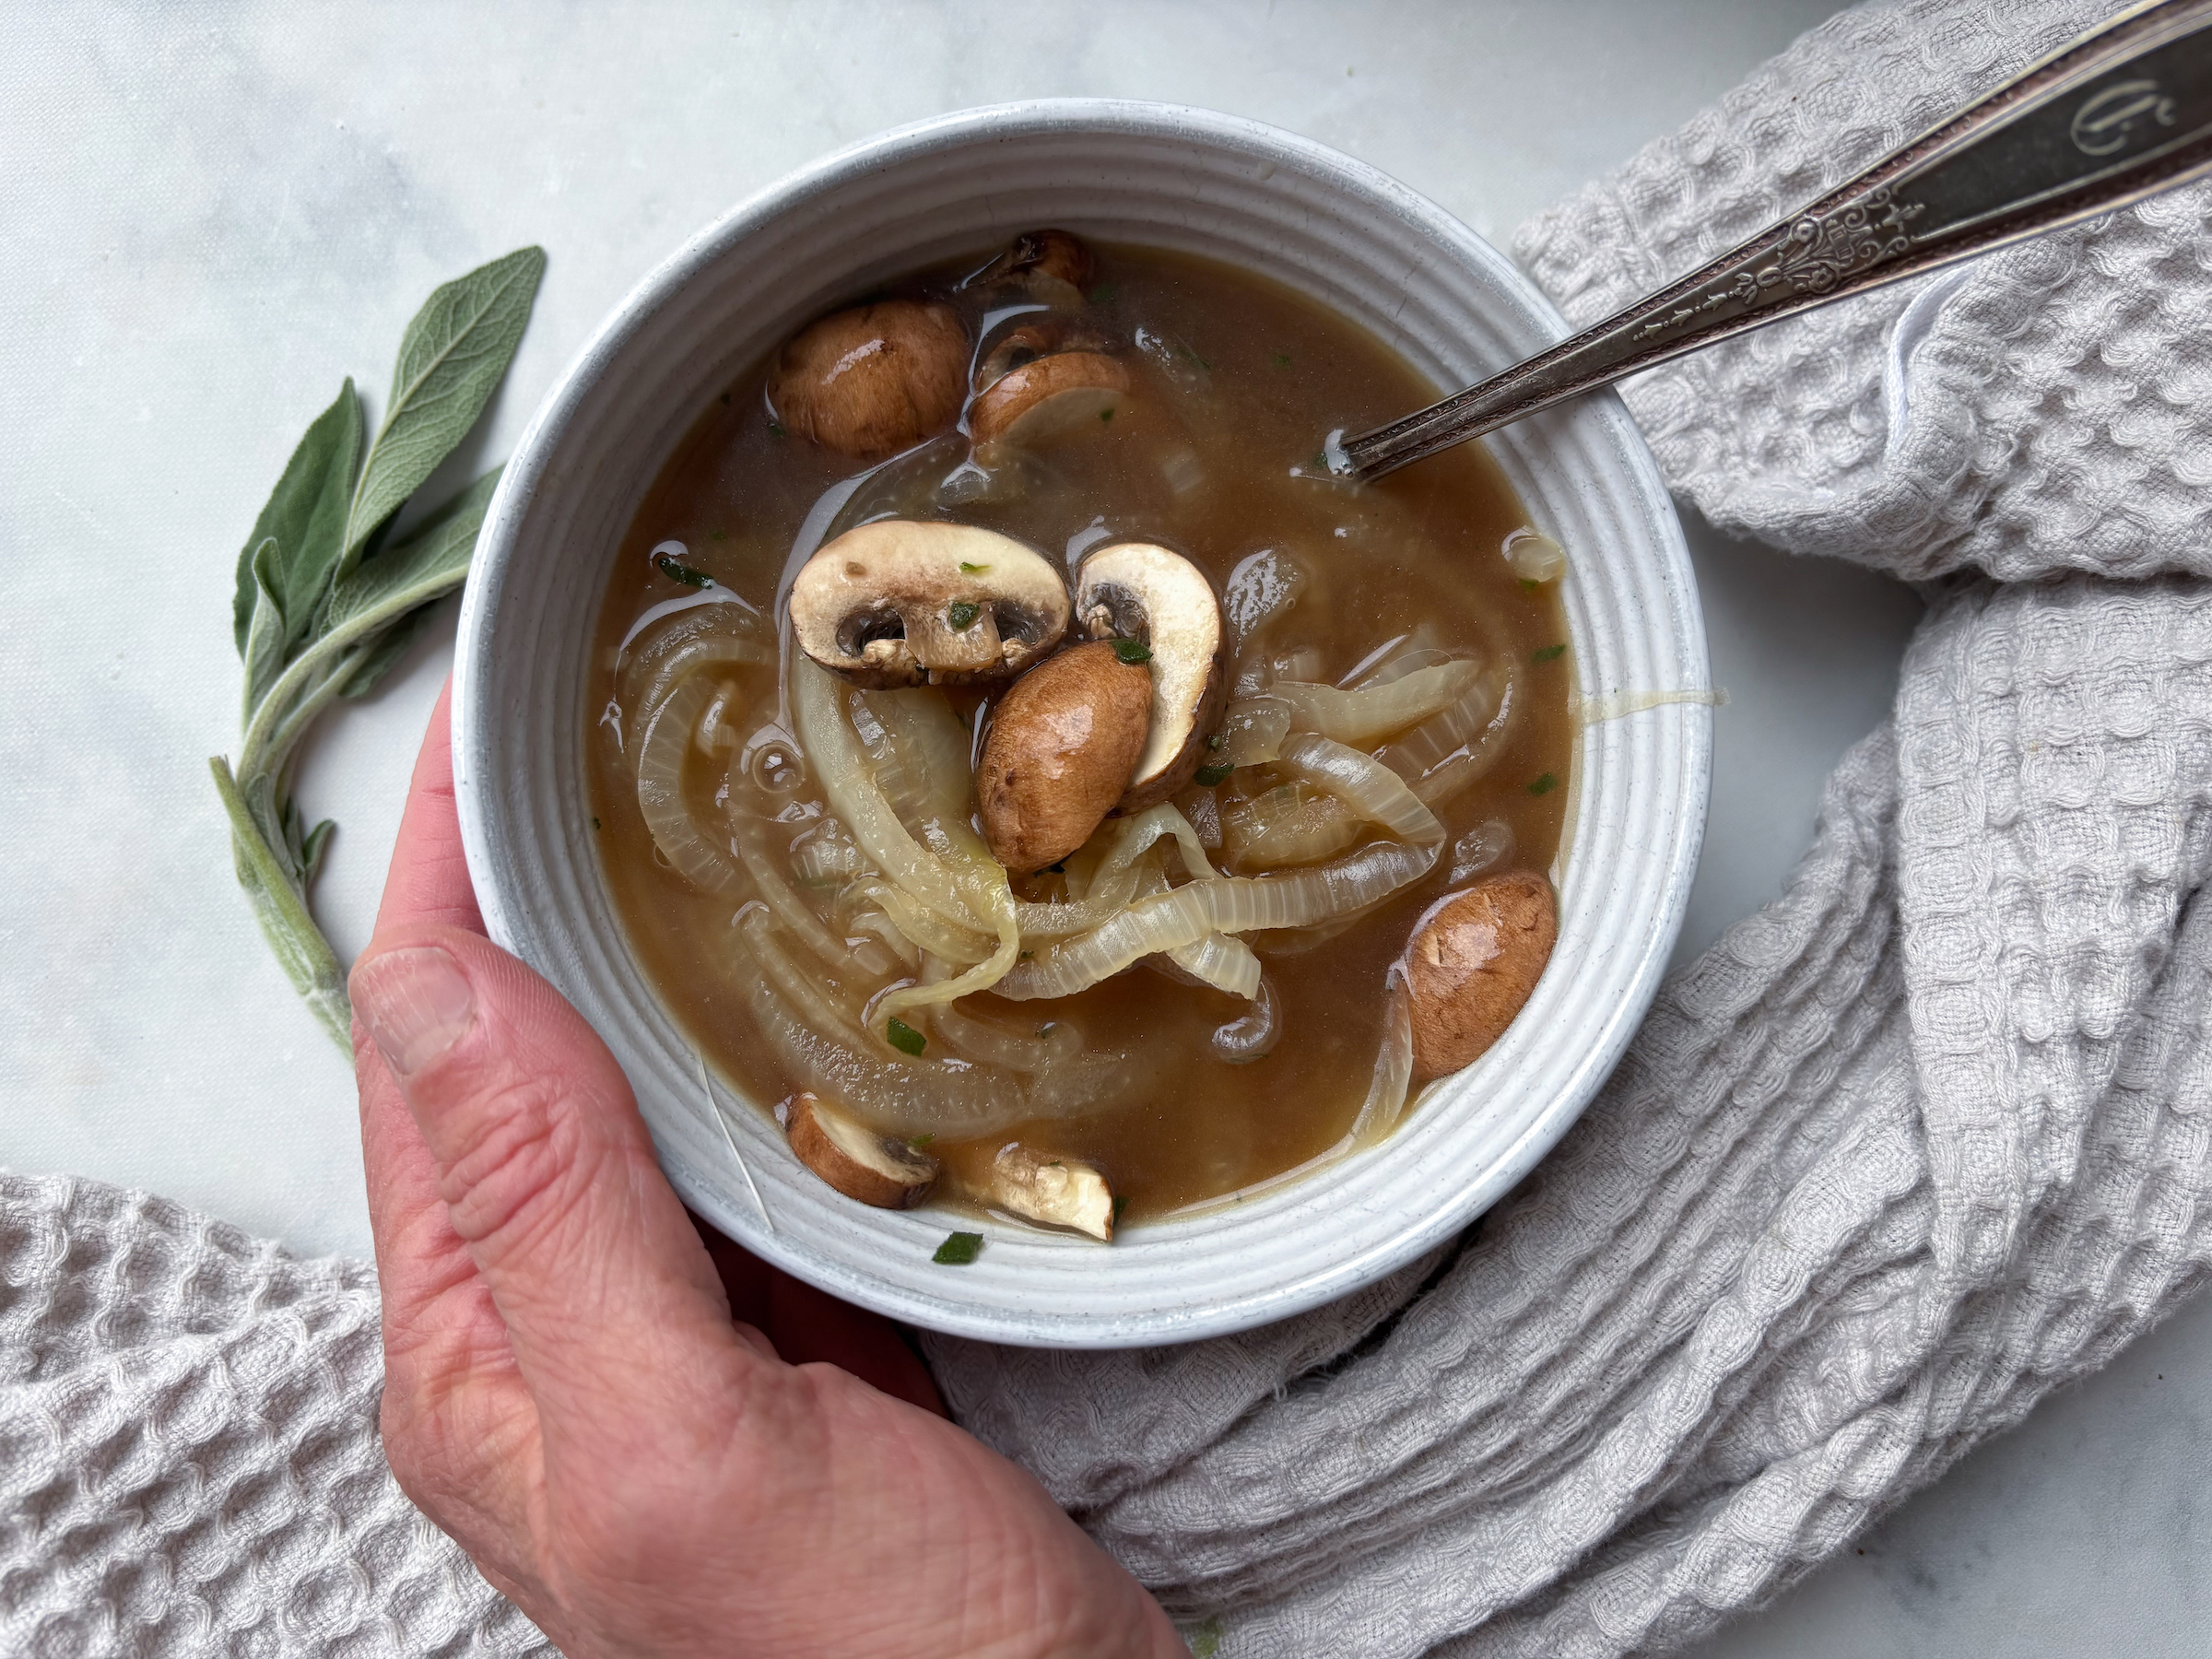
x,y
877,604
1136,590
1058,1191
1473,960
1049,396
875,1169
1058,755
874,380
1053,265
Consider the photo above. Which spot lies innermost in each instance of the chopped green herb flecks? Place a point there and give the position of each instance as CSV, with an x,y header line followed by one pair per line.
x,y
1549,654
903,1037
684,573
1212,741
1133,651
1105,415
963,614
1120,1203
920,1141
1216,773
1206,1640
1531,587
957,1251
595,823
775,429
1320,463
1544,786
1100,294
1281,360
973,569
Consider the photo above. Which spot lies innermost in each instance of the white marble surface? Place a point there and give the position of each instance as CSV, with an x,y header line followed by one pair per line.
x,y
214,212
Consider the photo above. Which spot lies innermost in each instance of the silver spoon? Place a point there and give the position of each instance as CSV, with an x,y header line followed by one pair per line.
x,y
2123,114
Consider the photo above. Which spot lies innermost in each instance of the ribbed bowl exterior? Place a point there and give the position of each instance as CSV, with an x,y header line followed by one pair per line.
x,y
1174,177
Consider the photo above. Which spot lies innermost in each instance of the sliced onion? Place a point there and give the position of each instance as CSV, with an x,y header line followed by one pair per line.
x,y
1364,785
1222,962
836,756
1385,1101
667,740
922,927
1367,716
826,857
919,750
1056,1043
869,920
749,840
1290,824
1452,748
1254,1037
700,633
1203,809
1485,847
1253,731
1237,904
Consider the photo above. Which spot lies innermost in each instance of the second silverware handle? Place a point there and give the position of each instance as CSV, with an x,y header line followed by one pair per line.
x,y
2121,114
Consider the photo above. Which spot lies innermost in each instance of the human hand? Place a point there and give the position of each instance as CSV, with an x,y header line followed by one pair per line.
x,y
566,1392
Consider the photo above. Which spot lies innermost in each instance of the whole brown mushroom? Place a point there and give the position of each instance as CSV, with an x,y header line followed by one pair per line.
x,y
1058,754
1471,965
874,380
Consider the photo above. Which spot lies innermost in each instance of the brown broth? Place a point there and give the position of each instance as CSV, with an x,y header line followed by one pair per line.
x,y
1239,377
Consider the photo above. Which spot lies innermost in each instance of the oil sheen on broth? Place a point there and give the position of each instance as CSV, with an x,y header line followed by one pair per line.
x,y
1211,450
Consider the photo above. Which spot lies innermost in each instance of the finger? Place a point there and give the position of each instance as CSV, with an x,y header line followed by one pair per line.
x,y
428,879
546,1173
419,1258
456,1419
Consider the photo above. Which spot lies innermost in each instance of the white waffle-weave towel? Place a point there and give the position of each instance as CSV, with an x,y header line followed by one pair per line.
x,y
1924,1139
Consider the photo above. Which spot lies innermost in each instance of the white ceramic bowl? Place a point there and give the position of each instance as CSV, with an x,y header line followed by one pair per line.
x,y
1172,177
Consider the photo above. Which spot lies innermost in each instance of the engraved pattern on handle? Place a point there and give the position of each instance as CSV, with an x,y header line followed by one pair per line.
x,y
2123,114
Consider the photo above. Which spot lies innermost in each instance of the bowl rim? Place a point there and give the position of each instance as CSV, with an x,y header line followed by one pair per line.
x,y
981,124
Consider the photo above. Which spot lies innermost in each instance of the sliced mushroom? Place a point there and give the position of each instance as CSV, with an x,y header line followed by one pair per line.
x,y
1051,266
1057,1192
898,603
1059,753
860,1163
1051,396
1137,590
874,380
1027,342
1474,960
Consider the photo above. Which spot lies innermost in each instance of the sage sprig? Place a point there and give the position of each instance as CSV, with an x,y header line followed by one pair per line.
x,y
324,608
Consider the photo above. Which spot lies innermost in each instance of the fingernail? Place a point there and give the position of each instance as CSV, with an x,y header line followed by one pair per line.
x,y
416,1003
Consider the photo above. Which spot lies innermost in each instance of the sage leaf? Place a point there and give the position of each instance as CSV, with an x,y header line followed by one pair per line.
x,y
306,517
266,633
428,565
319,616
451,359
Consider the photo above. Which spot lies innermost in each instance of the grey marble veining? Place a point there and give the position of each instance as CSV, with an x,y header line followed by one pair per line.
x,y
215,212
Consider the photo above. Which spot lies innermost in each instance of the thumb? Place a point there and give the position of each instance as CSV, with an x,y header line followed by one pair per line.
x,y
545,1169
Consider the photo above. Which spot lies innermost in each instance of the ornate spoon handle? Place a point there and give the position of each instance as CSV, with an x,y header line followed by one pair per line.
x,y
2121,114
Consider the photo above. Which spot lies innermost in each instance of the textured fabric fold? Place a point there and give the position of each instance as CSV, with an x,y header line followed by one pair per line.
x,y
189,1458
